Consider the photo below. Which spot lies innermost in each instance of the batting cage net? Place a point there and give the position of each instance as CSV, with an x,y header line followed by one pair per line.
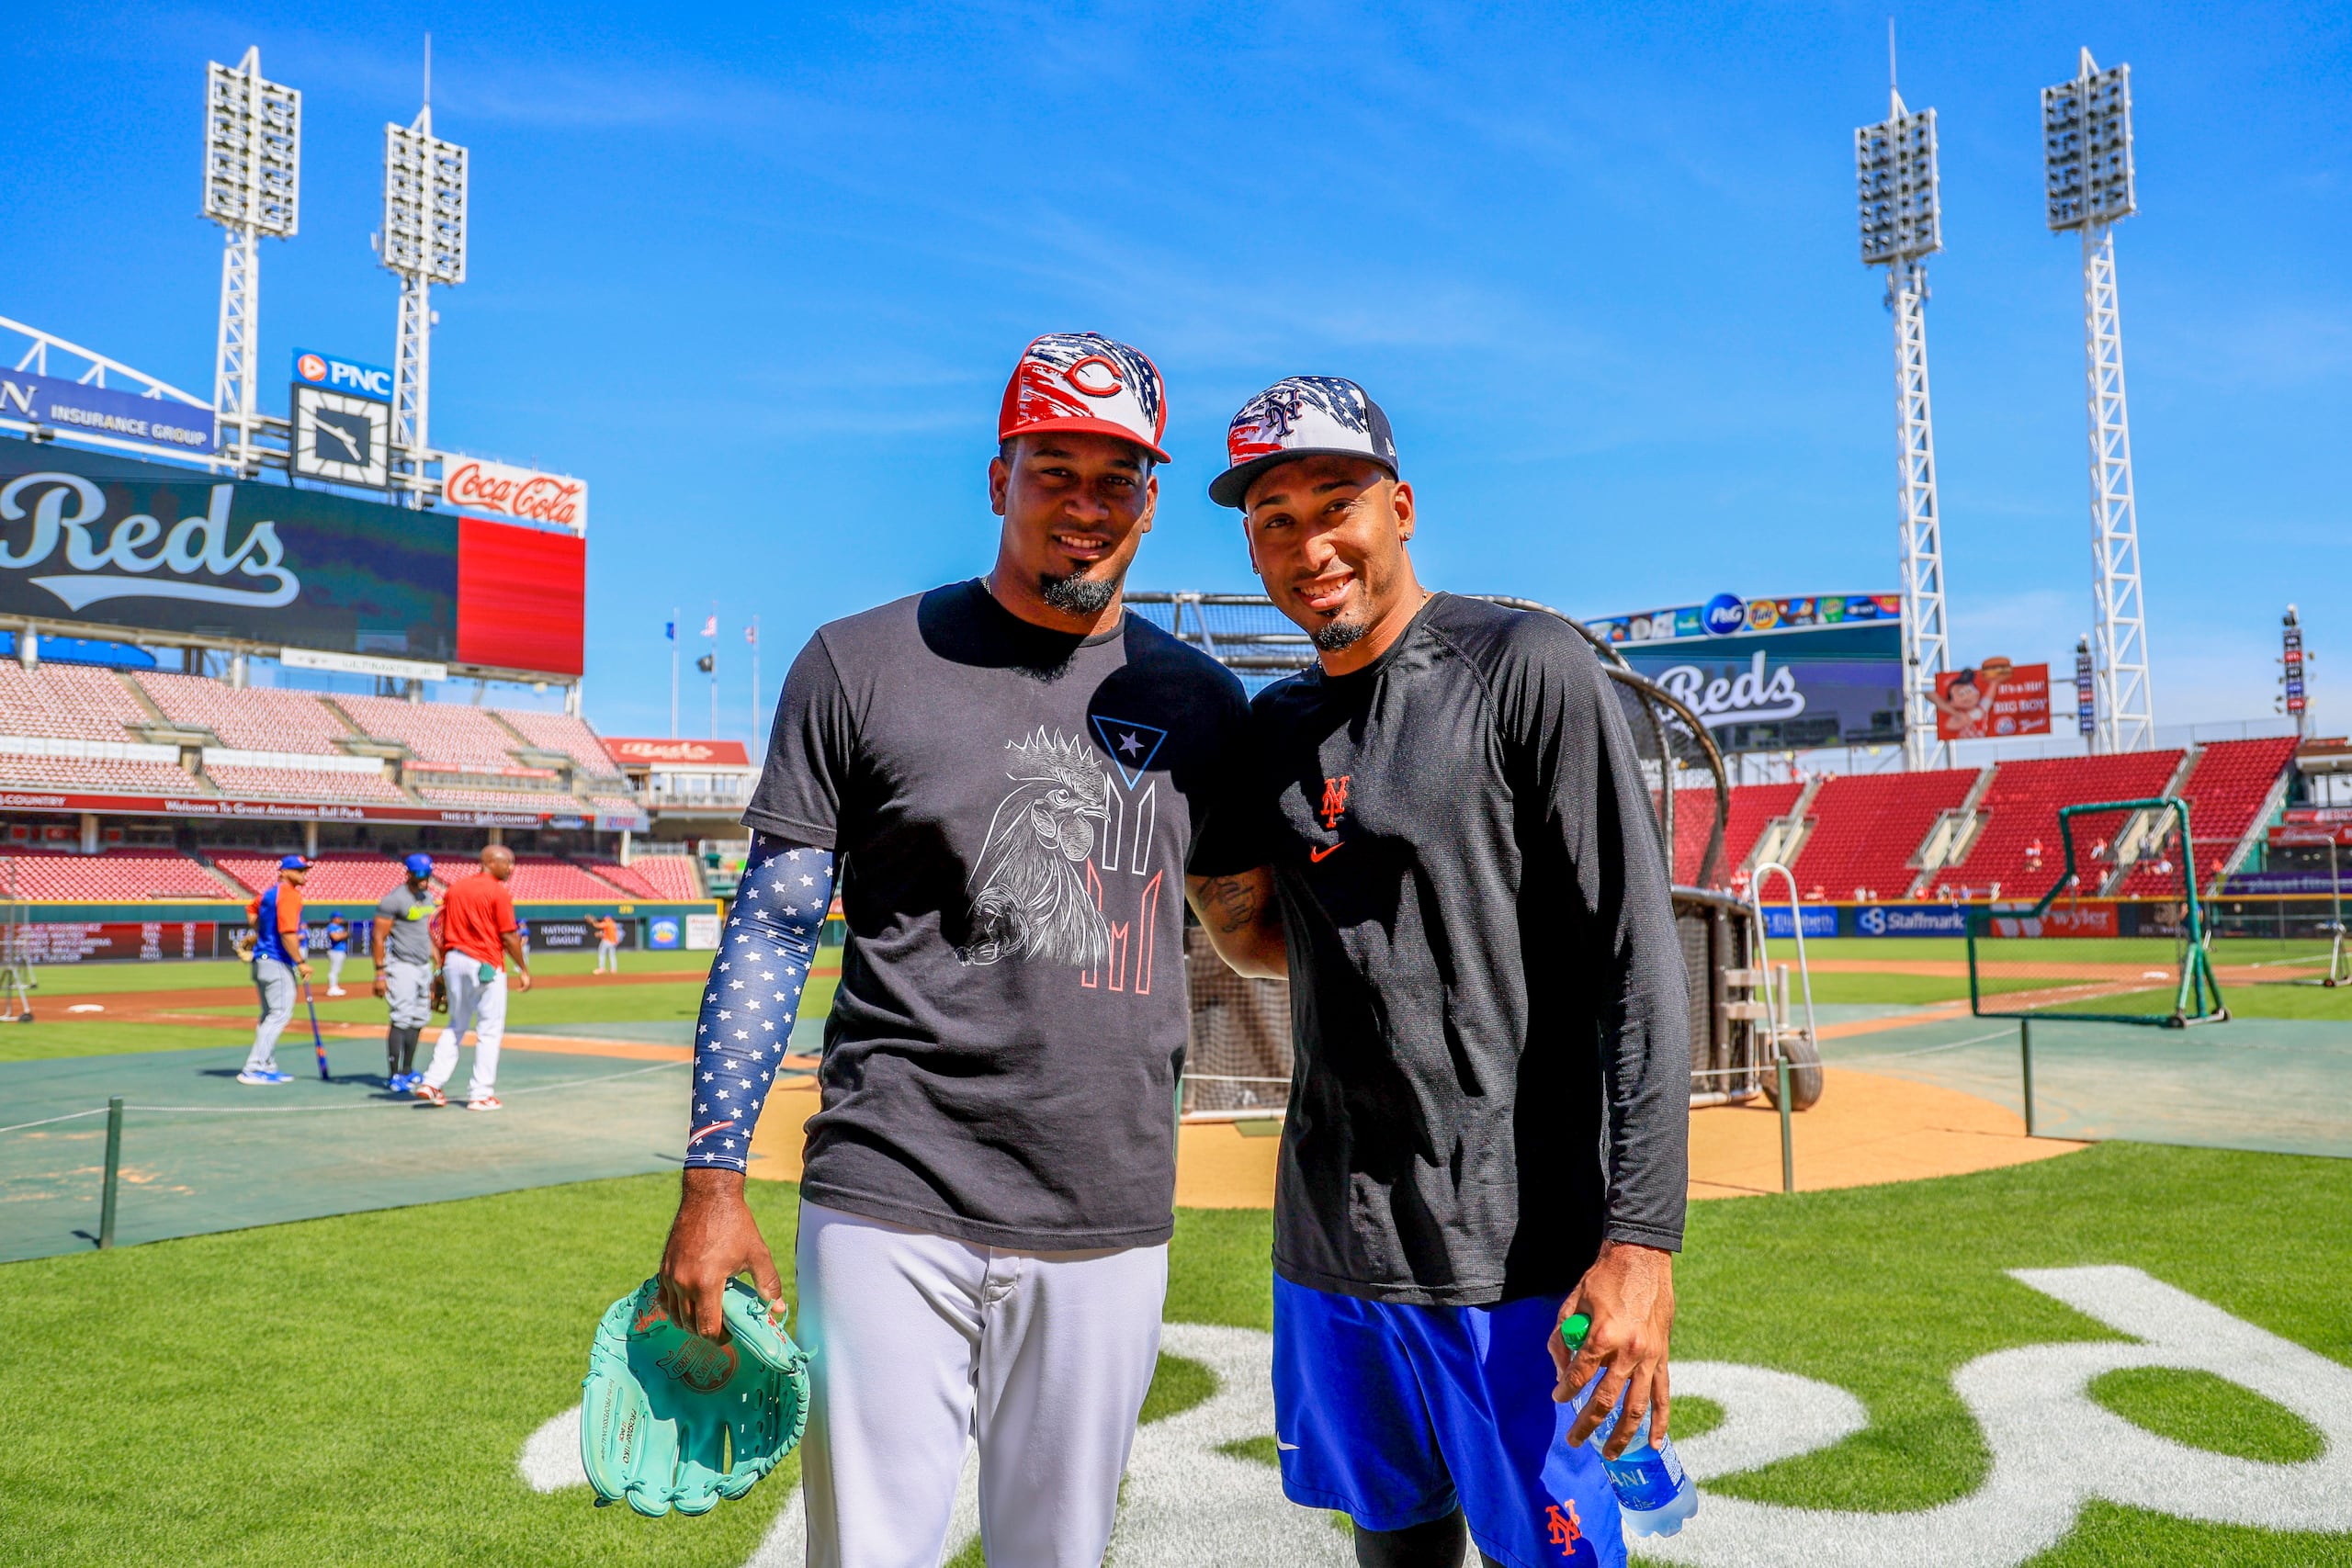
x,y
2070,955
1239,1058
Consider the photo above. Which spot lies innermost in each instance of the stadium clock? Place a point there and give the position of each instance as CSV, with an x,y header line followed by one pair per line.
x,y
341,437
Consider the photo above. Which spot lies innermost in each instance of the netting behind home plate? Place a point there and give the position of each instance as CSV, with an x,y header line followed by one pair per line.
x,y
1240,1060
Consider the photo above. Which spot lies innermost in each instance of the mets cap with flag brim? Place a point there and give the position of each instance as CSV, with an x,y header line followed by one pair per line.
x,y
1084,381
1301,416
295,863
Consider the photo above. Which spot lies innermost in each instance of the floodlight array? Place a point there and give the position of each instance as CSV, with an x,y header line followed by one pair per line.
x,y
425,204
1894,171
2086,147
252,139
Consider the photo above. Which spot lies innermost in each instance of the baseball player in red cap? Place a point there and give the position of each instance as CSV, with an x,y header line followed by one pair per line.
x,y
1490,1104
1018,780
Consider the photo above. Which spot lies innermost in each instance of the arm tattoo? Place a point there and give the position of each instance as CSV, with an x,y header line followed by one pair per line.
x,y
753,995
1233,902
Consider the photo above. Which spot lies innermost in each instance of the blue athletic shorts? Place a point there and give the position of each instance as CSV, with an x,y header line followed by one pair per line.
x,y
1396,1414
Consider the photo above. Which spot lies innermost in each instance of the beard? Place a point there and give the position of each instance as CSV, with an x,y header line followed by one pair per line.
x,y
1078,594
1333,635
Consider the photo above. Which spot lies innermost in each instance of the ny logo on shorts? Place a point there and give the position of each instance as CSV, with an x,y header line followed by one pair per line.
x,y
1566,1529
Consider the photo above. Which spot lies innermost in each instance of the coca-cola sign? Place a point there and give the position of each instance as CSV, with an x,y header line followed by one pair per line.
x,y
485,489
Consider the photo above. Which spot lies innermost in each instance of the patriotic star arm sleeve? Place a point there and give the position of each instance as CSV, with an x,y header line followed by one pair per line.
x,y
753,995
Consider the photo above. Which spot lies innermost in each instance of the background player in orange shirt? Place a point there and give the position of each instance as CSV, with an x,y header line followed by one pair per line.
x,y
479,933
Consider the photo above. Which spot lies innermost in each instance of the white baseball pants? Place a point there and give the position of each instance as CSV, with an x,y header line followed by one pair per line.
x,y
921,1344
479,1005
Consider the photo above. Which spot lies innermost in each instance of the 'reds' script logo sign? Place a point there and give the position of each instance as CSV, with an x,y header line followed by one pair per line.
x,y
137,557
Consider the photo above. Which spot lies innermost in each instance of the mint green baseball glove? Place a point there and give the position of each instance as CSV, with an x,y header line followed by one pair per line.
x,y
669,1419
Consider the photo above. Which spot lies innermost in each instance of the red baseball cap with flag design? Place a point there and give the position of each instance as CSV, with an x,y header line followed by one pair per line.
x,y
1085,381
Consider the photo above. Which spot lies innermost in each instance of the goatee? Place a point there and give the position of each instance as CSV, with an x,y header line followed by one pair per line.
x,y
1333,635
1078,594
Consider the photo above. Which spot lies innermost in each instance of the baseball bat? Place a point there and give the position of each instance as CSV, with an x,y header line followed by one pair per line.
x,y
317,1041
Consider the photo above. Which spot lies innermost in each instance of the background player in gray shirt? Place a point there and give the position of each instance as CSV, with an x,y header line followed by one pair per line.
x,y
1489,1105
402,946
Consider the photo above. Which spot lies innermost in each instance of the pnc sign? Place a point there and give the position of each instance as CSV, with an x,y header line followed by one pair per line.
x,y
312,369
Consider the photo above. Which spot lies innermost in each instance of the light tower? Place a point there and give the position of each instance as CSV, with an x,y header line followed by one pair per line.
x,y
253,155
1902,225
2086,152
424,244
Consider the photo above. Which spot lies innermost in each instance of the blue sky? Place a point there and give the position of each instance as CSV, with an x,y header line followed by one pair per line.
x,y
759,275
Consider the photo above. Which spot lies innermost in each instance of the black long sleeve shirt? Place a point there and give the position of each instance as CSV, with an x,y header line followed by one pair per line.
x,y
1492,1068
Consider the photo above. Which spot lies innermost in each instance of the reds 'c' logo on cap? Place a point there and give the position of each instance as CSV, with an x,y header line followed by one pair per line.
x,y
1084,381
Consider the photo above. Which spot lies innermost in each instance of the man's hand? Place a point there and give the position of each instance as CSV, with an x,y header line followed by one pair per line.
x,y
522,979
1629,1294
302,967
379,985
713,1239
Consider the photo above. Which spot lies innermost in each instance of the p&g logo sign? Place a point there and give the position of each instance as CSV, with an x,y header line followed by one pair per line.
x,y
1724,614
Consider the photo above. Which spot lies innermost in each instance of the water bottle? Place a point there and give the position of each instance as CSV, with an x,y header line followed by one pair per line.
x,y
1654,1493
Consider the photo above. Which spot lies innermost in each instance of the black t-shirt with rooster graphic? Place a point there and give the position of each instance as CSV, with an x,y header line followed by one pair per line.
x,y
1013,811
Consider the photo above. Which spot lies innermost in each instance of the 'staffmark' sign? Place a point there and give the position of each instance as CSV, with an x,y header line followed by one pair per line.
x,y
484,489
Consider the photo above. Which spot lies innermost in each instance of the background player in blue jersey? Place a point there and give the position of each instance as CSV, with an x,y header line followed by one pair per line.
x,y
338,950
1489,1105
277,962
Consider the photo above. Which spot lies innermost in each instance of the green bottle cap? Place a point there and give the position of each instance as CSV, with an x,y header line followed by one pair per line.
x,y
1573,1329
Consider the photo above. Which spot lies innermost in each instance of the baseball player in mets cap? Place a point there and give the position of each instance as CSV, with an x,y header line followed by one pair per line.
x,y
1018,782
1489,1105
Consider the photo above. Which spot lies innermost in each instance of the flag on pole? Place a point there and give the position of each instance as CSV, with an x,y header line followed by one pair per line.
x,y
751,635
711,626
669,630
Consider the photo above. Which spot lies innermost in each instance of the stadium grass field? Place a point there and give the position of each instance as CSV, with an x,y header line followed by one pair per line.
x,y
358,1389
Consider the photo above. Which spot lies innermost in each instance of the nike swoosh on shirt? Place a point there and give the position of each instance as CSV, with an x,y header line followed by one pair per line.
x,y
1320,855
1291,1448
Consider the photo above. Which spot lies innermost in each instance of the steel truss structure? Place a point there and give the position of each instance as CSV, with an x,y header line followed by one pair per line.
x,y
1902,225
2087,138
424,243
252,153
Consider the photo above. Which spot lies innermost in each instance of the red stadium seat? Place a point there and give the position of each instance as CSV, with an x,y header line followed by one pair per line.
x,y
239,782
68,702
1867,826
2228,785
621,876
339,876
115,876
448,733
95,775
1752,807
562,732
2017,849
257,718
675,878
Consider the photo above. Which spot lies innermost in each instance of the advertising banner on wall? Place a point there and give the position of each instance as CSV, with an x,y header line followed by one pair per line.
x,y
1777,674
87,537
1993,699
483,489
61,404
652,753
